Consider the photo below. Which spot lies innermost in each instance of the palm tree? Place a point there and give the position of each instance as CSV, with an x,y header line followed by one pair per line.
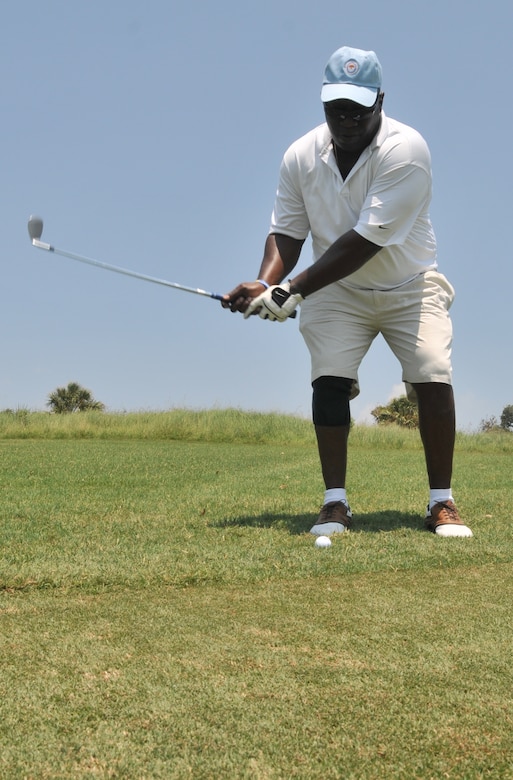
x,y
73,398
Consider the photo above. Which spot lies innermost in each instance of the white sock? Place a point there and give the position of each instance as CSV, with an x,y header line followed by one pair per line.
x,y
440,494
335,494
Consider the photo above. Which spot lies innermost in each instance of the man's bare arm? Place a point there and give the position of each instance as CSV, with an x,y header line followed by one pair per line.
x,y
345,256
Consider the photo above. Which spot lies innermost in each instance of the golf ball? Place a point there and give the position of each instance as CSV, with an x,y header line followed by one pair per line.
x,y
323,541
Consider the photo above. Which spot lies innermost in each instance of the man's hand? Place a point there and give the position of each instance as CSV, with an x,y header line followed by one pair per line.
x,y
275,303
240,298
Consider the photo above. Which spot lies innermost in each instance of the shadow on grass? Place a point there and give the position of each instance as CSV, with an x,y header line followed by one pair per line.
x,y
372,522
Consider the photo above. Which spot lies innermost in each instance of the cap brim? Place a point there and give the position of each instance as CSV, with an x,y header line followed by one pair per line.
x,y
361,95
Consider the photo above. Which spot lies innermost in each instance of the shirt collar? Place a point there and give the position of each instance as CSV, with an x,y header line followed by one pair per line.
x,y
382,133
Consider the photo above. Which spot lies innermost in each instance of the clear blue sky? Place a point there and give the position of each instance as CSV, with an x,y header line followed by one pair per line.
x,y
149,135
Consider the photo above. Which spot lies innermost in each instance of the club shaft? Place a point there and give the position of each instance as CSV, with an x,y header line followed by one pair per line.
x,y
125,271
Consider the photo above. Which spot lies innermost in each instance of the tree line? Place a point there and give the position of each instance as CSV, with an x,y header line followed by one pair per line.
x,y
399,411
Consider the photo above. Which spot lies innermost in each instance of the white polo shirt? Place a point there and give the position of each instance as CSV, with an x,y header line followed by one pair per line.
x,y
385,198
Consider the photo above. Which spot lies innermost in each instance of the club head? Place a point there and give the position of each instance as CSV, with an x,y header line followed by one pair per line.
x,y
35,228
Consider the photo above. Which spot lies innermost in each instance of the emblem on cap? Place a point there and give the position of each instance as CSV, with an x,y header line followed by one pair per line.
x,y
351,68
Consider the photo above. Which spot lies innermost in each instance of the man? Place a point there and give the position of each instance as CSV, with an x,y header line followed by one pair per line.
x,y
361,185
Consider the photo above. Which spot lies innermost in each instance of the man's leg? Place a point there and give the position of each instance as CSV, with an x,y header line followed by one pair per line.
x,y
331,416
332,446
437,424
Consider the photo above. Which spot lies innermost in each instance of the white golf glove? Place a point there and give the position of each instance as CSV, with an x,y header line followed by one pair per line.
x,y
275,303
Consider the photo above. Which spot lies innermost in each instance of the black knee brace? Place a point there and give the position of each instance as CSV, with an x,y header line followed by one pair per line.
x,y
330,400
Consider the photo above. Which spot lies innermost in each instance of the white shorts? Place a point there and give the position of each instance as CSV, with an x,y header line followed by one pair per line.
x,y
339,324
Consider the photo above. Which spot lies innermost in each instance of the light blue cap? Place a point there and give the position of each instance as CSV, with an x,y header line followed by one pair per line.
x,y
352,74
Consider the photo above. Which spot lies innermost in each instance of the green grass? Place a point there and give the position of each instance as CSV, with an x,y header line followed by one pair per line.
x,y
165,614
221,425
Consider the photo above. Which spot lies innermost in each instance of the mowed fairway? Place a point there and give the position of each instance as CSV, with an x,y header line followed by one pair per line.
x,y
165,614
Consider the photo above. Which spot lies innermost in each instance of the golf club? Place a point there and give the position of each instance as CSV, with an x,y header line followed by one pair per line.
x,y
35,229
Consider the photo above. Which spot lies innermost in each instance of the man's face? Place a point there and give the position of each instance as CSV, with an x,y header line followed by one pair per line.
x,y
351,125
